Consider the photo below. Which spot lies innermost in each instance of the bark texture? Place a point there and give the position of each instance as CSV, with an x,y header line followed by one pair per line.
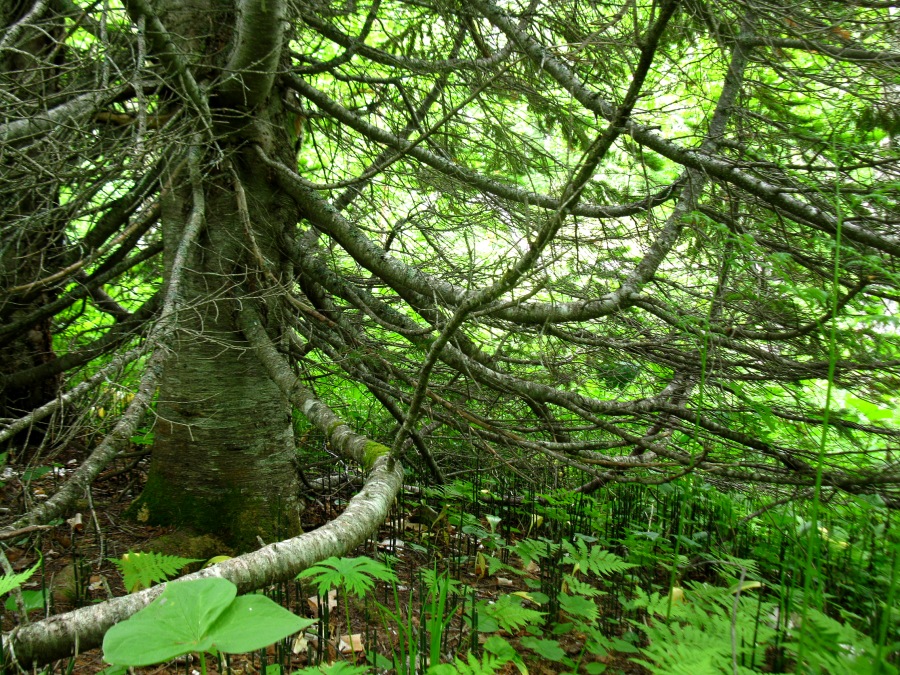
x,y
223,450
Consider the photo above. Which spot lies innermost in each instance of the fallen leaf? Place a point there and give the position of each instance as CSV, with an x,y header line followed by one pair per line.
x,y
299,645
313,602
351,643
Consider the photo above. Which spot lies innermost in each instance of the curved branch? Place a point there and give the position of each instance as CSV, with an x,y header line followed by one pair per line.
x,y
254,57
468,176
699,159
80,291
115,336
70,113
60,636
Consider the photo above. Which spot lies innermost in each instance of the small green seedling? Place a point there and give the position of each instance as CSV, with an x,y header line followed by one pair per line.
x,y
10,582
203,615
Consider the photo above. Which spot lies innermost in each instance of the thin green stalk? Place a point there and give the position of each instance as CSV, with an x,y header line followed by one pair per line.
x,y
437,624
814,539
888,612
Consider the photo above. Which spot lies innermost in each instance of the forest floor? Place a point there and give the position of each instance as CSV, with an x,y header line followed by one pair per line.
x,y
77,567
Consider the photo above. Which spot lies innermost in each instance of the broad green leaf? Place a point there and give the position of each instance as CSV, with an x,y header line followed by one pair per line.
x,y
176,623
252,622
32,599
548,649
199,616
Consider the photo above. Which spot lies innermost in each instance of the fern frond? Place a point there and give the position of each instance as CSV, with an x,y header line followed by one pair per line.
x,y
142,570
594,560
356,575
507,613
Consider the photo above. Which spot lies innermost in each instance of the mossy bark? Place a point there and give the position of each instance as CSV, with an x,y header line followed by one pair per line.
x,y
223,453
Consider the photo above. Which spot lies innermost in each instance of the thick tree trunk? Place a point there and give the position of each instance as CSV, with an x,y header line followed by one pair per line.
x,y
223,454
223,438
31,249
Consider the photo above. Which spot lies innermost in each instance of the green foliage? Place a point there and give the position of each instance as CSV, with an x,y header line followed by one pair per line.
x,y
835,647
546,649
142,570
336,668
354,575
594,560
32,600
578,607
203,615
10,581
508,613
498,653
729,624
708,632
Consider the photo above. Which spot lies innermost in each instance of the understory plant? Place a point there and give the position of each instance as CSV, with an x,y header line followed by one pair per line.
x,y
202,616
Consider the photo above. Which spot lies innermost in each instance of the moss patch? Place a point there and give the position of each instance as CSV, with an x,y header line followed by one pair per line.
x,y
372,452
238,520
187,544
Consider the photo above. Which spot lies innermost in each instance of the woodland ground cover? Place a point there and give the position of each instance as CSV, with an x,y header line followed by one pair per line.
x,y
684,577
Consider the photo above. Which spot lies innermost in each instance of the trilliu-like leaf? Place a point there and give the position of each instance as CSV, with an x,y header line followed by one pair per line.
x,y
198,616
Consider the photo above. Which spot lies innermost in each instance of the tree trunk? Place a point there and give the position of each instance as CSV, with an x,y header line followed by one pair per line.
x,y
223,438
30,250
223,453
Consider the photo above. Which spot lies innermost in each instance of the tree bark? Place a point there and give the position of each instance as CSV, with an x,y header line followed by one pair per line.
x,y
223,453
32,249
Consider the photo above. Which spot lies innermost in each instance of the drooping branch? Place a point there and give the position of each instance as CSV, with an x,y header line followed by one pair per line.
x,y
467,176
774,195
126,426
82,290
70,113
114,337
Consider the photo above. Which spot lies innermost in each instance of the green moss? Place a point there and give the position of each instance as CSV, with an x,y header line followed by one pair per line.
x,y
372,452
186,544
333,427
237,519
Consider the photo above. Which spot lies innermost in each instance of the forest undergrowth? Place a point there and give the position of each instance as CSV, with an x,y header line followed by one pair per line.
x,y
496,575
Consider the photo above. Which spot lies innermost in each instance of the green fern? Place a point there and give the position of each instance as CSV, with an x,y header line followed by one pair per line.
x,y
709,632
533,550
11,581
577,587
837,648
685,649
142,570
579,608
507,613
594,560
356,575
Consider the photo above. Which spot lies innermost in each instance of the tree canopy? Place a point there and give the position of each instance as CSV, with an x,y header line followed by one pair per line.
x,y
584,241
